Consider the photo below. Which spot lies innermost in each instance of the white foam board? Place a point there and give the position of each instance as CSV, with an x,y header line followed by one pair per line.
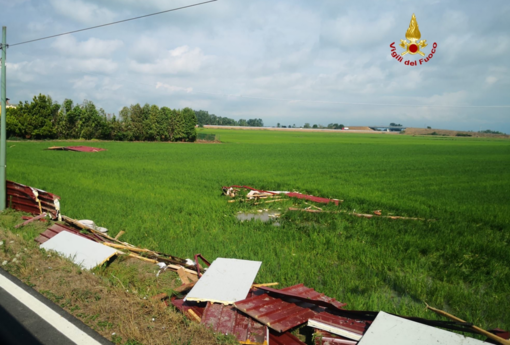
x,y
393,330
81,251
226,281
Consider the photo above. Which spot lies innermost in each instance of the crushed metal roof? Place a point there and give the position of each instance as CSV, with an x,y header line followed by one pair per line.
x,y
77,148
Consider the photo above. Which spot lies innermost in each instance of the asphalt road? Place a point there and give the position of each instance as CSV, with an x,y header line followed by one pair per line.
x,y
27,317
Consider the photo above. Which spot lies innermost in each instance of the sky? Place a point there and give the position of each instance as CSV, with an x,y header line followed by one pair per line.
x,y
284,61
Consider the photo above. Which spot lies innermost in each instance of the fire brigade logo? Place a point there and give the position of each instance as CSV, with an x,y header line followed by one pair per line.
x,y
413,35
413,45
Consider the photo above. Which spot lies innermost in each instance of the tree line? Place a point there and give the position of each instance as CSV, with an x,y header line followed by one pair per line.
x,y
42,118
204,118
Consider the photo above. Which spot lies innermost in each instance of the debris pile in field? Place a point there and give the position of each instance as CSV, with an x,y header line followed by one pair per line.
x,y
257,194
77,148
226,298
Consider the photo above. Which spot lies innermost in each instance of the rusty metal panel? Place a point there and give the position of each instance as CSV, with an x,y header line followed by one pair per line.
x,y
228,320
306,294
278,314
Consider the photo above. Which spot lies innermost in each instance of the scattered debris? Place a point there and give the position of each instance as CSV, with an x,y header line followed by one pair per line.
x,y
226,281
256,194
80,250
360,215
77,148
224,296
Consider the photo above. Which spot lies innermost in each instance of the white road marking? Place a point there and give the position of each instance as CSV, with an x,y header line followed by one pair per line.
x,y
61,324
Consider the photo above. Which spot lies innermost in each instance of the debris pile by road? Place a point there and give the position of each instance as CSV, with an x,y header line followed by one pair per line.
x,y
224,296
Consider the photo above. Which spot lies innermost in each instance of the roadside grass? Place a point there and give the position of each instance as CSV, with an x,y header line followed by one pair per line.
x,y
114,300
167,197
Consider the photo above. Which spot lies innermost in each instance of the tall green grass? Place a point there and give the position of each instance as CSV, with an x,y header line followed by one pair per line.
x,y
168,197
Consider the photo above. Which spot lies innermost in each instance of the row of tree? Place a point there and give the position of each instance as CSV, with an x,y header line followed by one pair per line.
x,y
44,119
204,118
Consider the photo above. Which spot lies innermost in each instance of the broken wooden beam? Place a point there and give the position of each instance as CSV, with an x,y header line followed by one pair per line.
x,y
475,328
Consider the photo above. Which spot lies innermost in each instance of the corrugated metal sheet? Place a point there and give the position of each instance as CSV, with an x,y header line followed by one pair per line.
x,y
228,320
306,294
278,314
57,228
24,198
287,308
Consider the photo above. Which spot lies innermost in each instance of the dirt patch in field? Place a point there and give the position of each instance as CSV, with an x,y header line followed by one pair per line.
x,y
451,133
115,300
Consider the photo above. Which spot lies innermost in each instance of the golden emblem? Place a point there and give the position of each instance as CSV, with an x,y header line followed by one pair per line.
x,y
413,35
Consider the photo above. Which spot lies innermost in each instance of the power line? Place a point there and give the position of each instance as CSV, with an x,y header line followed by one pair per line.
x,y
117,22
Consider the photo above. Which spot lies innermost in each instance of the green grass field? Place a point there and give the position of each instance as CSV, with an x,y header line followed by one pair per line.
x,y
168,197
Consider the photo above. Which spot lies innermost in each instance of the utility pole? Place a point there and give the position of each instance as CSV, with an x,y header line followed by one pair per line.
x,y
3,132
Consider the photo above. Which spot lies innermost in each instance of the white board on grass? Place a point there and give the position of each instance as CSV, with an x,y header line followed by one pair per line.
x,y
81,251
226,281
388,329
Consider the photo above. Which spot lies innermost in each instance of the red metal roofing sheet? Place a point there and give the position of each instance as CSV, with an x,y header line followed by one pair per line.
x,y
278,314
306,294
226,319
287,308
23,198
56,228
312,198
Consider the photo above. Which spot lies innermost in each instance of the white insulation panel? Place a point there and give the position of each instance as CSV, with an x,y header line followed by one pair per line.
x,y
393,330
79,250
226,281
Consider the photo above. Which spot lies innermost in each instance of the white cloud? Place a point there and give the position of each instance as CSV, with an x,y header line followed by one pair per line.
x,y
491,80
93,47
173,89
181,60
83,11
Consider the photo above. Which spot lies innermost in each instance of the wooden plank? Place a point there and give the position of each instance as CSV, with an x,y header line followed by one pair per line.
x,y
184,277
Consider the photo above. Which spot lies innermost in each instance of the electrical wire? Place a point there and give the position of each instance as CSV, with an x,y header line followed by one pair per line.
x,y
117,22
